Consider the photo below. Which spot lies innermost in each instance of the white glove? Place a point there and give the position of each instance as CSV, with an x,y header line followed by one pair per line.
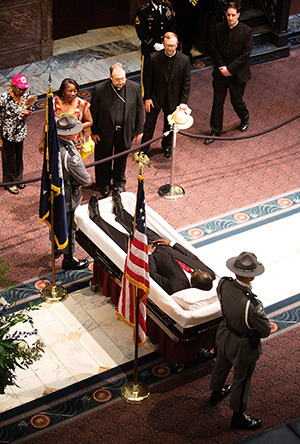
x,y
158,46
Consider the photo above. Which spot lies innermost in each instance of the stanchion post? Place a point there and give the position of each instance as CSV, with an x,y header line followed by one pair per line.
x,y
171,191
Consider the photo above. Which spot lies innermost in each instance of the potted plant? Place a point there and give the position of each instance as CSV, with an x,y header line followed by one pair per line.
x,y
18,347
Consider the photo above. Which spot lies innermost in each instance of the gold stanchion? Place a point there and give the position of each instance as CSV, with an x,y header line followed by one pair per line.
x,y
135,392
180,119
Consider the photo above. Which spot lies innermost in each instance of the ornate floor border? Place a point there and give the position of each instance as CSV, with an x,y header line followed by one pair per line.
x,y
245,219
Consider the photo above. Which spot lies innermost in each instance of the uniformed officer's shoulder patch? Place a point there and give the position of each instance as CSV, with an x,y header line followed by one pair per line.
x,y
74,155
259,310
74,160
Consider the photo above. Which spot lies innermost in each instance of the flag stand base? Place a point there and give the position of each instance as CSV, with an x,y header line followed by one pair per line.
x,y
171,191
135,393
54,293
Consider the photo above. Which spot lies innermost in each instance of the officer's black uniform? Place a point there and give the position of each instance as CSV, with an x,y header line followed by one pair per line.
x,y
151,26
238,343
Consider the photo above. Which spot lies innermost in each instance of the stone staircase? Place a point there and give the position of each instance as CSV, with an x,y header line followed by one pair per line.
x,y
268,44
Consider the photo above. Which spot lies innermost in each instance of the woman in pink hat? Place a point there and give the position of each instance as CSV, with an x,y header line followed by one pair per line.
x,y
13,130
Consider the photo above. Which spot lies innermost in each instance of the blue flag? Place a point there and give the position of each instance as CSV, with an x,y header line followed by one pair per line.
x,y
52,179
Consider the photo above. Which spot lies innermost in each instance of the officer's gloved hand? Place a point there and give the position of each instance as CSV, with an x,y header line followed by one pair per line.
x,y
158,46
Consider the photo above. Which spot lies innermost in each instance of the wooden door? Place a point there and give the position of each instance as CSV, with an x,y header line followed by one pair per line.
x,y
72,17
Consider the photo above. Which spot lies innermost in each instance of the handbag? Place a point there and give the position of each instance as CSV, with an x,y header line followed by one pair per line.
x,y
87,147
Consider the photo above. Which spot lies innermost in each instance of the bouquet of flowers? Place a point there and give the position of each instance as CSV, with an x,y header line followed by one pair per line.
x,y
17,349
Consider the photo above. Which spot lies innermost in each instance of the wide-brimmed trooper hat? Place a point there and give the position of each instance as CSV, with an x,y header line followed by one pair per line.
x,y
182,117
67,125
246,265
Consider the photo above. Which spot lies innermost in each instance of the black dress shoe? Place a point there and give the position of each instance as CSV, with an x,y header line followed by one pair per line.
x,y
93,207
209,140
245,423
104,190
244,127
74,264
167,152
117,201
120,187
13,190
217,397
21,186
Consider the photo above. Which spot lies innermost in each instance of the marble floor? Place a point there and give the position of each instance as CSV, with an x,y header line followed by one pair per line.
x,y
85,58
83,335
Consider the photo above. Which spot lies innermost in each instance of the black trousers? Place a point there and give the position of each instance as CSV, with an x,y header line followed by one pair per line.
x,y
149,128
111,170
12,161
236,91
70,248
239,399
121,239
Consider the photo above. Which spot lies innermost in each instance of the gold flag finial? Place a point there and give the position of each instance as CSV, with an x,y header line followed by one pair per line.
x,y
141,158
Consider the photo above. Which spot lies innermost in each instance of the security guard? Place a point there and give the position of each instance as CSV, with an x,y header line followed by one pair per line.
x,y
153,20
75,176
238,338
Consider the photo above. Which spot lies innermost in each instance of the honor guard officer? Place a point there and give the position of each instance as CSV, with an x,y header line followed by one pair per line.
x,y
238,338
153,20
75,177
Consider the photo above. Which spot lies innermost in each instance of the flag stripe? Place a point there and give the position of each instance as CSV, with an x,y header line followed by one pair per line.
x,y
136,271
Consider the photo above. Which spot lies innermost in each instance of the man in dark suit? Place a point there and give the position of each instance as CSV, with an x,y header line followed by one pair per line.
x,y
173,267
231,49
167,85
118,116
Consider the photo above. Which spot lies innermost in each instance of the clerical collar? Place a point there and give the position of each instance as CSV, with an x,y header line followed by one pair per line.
x,y
117,91
231,27
244,284
171,55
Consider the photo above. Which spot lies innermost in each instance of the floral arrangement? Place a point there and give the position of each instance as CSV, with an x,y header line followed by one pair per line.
x,y
17,348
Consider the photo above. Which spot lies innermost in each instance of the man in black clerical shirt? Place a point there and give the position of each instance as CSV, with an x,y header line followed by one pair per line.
x,y
167,85
231,49
118,116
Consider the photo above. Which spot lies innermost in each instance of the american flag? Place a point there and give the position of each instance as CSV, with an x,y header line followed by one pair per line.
x,y
136,270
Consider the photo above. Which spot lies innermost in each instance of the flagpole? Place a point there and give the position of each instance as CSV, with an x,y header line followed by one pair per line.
x,y
136,392
136,342
52,293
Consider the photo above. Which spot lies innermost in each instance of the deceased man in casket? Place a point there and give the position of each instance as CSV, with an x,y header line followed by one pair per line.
x,y
106,225
171,265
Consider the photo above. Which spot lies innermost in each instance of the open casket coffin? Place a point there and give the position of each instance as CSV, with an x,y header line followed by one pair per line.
x,y
181,324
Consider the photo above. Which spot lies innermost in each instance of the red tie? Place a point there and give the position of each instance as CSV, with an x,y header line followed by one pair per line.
x,y
185,267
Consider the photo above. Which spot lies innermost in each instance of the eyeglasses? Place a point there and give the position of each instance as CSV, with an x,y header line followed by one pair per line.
x,y
170,46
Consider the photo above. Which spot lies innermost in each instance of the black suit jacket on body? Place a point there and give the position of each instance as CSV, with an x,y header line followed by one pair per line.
x,y
232,48
167,272
159,88
163,267
101,109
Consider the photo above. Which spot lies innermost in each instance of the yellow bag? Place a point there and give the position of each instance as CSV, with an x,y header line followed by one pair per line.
x,y
87,148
